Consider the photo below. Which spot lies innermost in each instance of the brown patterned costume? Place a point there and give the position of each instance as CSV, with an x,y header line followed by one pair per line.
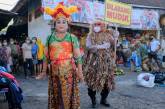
x,y
99,66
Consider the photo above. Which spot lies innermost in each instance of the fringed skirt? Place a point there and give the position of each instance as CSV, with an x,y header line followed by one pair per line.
x,y
99,70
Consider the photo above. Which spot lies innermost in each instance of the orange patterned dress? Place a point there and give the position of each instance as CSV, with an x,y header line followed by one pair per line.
x,y
63,88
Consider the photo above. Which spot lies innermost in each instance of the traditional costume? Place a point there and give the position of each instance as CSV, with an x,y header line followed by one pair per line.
x,y
100,64
63,84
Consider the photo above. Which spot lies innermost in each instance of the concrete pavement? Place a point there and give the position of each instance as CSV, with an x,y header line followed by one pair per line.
x,y
126,96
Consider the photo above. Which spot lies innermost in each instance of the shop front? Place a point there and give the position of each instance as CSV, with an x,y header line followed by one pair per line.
x,y
144,23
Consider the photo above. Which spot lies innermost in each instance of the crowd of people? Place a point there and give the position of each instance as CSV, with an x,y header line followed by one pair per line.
x,y
9,53
145,54
29,55
33,56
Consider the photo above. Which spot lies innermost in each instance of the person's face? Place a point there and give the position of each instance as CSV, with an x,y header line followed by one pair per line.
x,y
151,38
11,41
34,41
124,38
28,41
61,25
5,43
97,27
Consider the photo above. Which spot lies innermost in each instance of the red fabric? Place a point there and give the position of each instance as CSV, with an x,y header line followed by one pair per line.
x,y
82,51
60,10
9,76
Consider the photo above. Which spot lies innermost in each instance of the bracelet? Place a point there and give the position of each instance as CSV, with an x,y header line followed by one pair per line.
x,y
78,60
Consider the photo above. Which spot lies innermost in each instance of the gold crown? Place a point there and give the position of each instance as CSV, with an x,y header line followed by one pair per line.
x,y
61,11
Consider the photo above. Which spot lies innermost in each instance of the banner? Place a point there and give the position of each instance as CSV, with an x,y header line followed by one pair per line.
x,y
85,15
117,12
99,10
88,13
145,19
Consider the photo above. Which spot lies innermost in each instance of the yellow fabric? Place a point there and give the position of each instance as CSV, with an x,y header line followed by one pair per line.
x,y
40,54
68,10
83,42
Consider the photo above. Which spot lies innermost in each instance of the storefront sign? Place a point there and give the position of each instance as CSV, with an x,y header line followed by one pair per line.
x,y
117,12
145,19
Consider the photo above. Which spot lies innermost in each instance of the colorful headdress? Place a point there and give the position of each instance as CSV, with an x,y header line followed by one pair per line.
x,y
61,11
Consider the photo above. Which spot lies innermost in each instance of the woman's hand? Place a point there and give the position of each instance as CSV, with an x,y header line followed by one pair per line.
x,y
80,76
79,65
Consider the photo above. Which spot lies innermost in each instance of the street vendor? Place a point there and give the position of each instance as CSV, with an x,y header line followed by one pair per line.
x,y
99,65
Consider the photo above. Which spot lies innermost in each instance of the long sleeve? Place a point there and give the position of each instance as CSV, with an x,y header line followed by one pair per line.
x,y
89,45
103,46
88,42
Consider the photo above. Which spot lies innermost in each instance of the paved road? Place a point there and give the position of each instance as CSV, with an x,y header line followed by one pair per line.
x,y
126,96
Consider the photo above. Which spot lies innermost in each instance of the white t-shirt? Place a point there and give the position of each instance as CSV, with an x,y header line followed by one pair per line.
x,y
27,51
154,45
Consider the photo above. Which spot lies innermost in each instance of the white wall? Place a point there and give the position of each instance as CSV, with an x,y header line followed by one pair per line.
x,y
39,28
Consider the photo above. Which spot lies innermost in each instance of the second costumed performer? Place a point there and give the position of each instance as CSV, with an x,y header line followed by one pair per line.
x,y
99,65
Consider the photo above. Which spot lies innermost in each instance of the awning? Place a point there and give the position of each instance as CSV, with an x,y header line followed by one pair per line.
x,y
85,25
6,16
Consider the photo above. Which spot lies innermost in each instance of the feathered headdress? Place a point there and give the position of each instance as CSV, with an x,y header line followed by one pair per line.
x,y
61,11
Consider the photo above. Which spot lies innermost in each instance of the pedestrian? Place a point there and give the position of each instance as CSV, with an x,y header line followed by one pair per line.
x,y
27,56
62,46
125,49
8,50
99,64
163,51
3,56
154,46
120,54
40,55
136,58
14,55
34,55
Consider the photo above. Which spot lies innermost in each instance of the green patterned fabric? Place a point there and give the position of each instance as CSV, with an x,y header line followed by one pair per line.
x,y
78,60
69,38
